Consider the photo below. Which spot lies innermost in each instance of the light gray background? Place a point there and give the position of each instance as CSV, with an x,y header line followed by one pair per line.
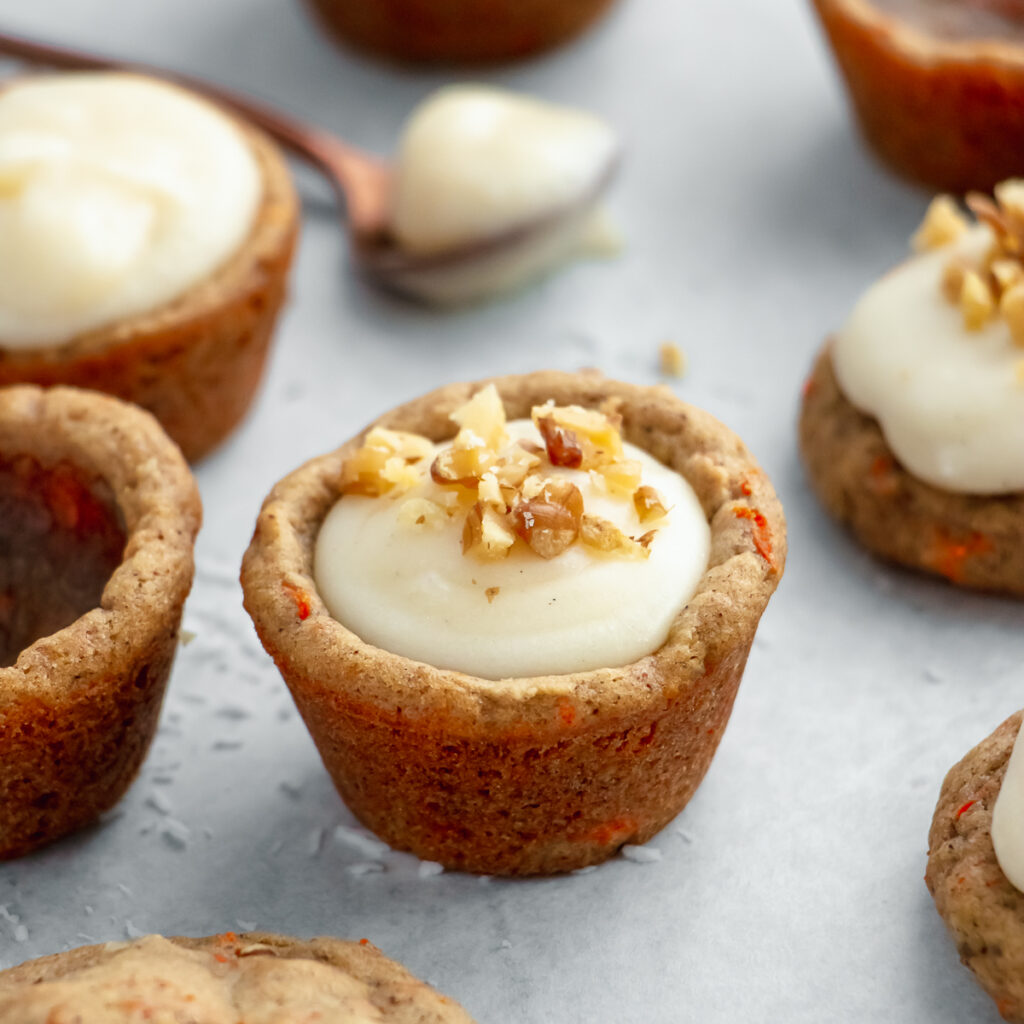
x,y
791,887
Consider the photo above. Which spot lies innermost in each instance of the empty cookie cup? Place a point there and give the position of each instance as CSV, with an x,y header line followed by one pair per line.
x,y
98,514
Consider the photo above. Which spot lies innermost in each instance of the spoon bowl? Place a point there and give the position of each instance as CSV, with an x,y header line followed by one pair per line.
x,y
363,185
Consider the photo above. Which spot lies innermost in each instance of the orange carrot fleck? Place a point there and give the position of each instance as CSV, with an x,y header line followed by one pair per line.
x,y
966,806
949,555
762,533
300,598
746,489
566,711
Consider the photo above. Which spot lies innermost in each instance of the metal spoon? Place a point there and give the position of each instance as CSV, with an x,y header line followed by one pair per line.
x,y
362,183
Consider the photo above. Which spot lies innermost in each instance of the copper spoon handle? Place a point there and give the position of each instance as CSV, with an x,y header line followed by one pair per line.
x,y
358,177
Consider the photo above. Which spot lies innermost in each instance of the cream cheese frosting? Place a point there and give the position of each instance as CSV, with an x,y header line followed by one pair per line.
x,y
950,401
405,587
477,163
154,979
1008,818
117,194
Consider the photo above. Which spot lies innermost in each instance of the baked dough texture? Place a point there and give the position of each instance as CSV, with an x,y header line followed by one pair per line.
x,y
983,911
946,113
463,31
531,775
971,540
385,989
79,706
195,363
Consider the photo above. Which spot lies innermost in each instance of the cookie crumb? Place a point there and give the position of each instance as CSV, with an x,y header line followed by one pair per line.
x,y
491,593
671,359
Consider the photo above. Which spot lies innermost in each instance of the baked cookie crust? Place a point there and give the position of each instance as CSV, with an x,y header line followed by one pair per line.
x,y
982,910
463,31
79,707
946,113
195,363
972,540
400,997
531,775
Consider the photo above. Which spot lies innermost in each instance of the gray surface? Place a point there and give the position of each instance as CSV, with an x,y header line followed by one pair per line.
x,y
790,889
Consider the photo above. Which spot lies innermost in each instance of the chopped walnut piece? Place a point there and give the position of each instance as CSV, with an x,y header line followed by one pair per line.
x,y
604,536
421,512
595,432
1006,273
671,359
1011,305
563,447
550,522
486,534
988,213
491,593
649,504
976,301
952,282
375,468
484,416
943,223
514,468
622,476
463,466
489,490
1010,196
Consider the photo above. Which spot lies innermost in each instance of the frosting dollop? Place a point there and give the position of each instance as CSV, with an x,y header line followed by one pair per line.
x,y
950,400
1008,818
117,194
409,572
477,163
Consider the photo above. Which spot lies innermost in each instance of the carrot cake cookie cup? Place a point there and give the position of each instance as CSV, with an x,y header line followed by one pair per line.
x,y
221,979
937,87
98,514
456,31
912,422
520,734
198,218
982,908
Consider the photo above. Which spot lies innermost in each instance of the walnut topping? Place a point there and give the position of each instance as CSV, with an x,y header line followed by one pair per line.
x,y
550,522
462,466
671,359
995,284
484,416
976,301
596,433
486,534
604,536
562,445
506,489
377,467
943,223
649,504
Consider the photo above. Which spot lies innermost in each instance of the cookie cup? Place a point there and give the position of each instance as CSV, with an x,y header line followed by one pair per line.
x,y
972,540
528,775
981,908
195,362
79,704
397,995
456,31
943,112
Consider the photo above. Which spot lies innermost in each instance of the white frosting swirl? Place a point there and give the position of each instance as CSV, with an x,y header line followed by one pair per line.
x,y
117,194
950,402
1008,818
411,591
